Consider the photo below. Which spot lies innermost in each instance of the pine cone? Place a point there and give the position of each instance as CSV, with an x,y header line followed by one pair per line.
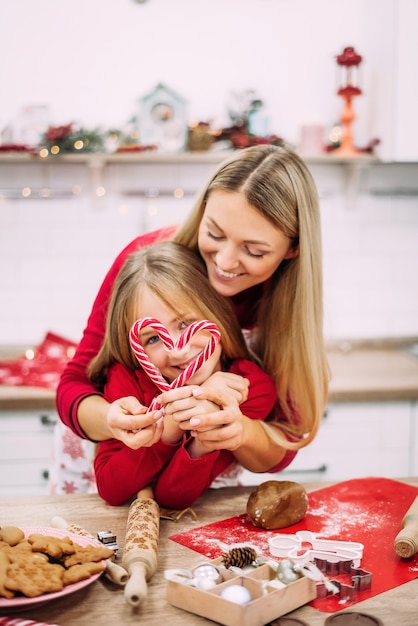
x,y
239,557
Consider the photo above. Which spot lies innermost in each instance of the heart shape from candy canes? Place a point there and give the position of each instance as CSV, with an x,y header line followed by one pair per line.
x,y
152,371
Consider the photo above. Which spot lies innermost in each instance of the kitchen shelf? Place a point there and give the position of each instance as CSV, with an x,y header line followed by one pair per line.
x,y
97,162
150,157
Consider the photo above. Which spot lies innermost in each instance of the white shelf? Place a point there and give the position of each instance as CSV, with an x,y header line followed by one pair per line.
x,y
151,157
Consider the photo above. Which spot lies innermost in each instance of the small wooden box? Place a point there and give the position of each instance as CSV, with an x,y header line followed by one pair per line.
x,y
268,603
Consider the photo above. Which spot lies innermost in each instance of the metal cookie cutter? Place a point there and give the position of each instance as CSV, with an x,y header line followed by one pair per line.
x,y
108,539
361,580
303,547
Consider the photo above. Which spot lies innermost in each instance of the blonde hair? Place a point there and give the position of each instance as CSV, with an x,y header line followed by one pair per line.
x,y
175,275
289,329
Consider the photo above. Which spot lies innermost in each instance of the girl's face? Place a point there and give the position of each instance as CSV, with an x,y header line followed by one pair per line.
x,y
240,247
171,363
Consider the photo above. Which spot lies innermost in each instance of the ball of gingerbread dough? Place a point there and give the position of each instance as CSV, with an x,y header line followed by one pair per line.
x,y
277,504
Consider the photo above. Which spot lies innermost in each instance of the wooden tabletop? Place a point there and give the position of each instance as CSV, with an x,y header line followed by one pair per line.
x,y
103,603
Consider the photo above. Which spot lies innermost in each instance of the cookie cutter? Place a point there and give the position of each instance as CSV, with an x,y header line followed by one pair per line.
x,y
361,580
108,539
303,547
331,557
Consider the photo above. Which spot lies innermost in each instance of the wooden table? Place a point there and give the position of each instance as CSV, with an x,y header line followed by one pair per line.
x,y
103,603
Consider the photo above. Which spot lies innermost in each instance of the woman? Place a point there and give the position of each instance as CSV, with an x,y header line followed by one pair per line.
x,y
167,282
257,227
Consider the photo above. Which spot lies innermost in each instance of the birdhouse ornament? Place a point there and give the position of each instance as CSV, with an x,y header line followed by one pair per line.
x,y
163,119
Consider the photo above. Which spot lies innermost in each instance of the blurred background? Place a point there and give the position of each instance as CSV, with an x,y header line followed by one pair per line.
x,y
91,63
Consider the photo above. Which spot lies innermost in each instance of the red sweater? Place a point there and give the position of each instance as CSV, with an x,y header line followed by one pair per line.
x,y
74,384
178,479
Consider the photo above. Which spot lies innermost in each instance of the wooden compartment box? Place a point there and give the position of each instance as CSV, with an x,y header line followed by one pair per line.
x,y
268,602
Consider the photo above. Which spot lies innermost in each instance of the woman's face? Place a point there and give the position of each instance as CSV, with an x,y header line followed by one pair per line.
x,y
172,362
240,247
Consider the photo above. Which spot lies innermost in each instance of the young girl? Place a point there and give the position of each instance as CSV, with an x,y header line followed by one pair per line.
x,y
167,281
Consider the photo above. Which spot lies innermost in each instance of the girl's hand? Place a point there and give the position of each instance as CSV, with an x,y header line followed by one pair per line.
x,y
129,422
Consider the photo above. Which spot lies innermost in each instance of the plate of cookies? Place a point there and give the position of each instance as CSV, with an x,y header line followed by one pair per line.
x,y
39,564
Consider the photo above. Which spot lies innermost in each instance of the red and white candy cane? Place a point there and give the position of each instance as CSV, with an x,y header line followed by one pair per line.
x,y
152,371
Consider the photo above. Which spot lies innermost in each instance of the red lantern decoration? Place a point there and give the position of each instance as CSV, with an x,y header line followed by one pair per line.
x,y
349,62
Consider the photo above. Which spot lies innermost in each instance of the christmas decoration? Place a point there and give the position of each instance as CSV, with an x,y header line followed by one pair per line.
x,y
248,123
69,139
239,557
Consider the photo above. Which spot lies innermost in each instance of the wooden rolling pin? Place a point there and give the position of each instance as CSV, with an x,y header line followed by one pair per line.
x,y
406,541
113,572
141,545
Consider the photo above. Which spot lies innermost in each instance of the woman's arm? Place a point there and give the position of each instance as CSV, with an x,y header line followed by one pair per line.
x,y
80,405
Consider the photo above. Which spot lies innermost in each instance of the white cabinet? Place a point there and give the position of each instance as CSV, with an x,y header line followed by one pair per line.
x,y
25,451
356,439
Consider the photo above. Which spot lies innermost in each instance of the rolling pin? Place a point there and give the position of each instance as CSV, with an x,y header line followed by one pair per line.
x,y
113,572
141,545
406,541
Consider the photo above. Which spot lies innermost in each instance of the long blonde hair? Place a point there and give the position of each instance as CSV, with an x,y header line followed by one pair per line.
x,y
178,278
289,337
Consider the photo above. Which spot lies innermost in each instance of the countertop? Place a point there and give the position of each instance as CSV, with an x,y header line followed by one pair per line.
x,y
102,602
372,372
363,371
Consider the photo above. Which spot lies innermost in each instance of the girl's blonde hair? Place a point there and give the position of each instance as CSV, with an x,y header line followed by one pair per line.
x,y
289,332
176,276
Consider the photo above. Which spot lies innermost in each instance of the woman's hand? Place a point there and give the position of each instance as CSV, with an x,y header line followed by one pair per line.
x,y
221,428
129,422
211,414
234,383
180,405
183,405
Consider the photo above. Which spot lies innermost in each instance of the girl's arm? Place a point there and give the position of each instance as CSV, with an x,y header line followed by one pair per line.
x,y
215,445
184,479
122,470
227,425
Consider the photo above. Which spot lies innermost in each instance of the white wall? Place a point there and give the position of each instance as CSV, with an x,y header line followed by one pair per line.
x,y
54,252
90,60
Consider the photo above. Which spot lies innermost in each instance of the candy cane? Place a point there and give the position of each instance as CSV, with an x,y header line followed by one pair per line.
x,y
152,371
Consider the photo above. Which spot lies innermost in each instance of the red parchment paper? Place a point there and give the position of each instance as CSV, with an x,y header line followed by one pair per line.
x,y
368,510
